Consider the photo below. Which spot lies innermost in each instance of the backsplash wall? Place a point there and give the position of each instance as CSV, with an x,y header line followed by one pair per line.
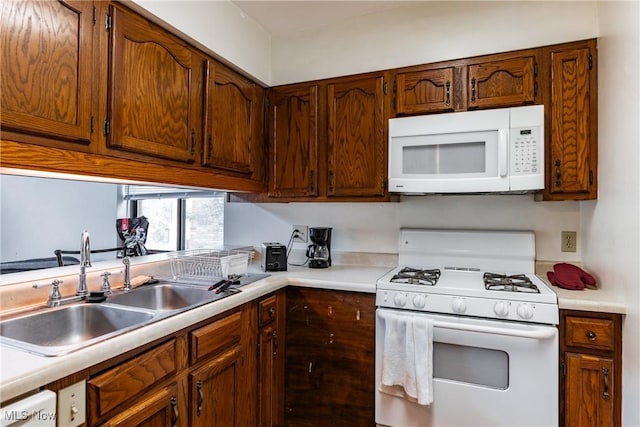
x,y
373,227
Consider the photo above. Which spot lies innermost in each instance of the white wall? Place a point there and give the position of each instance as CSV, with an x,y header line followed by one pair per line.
x,y
611,226
218,27
427,31
373,227
38,216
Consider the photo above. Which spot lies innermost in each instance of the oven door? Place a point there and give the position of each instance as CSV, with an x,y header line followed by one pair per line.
x,y
486,373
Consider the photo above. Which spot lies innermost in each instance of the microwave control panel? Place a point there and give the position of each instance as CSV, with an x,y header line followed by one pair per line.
x,y
526,150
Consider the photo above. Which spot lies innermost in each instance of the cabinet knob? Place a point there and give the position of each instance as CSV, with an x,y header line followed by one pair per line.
x,y
591,336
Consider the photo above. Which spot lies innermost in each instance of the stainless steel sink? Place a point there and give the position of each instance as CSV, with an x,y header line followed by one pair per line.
x,y
62,330
166,297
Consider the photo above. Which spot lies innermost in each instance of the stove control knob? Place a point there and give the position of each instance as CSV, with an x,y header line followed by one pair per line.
x,y
501,309
419,301
400,300
459,305
525,311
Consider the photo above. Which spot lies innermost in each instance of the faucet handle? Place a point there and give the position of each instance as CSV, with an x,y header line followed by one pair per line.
x,y
106,286
55,296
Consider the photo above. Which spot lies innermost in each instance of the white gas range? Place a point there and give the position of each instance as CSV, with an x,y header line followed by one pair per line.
x,y
495,340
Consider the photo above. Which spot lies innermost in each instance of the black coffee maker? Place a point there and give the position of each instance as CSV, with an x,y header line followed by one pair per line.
x,y
319,253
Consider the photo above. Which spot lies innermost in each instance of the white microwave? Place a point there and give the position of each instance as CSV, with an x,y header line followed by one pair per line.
x,y
484,151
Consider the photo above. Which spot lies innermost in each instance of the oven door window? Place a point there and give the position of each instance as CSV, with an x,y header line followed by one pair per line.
x,y
471,365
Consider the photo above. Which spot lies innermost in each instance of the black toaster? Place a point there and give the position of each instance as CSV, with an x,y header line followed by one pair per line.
x,y
274,257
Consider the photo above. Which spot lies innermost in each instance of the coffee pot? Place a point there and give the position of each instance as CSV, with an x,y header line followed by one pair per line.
x,y
319,253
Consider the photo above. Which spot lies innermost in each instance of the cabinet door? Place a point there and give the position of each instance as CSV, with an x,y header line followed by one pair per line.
x,y
231,122
501,83
330,343
270,372
572,151
357,147
426,91
159,409
46,68
293,141
589,391
152,96
215,392
271,320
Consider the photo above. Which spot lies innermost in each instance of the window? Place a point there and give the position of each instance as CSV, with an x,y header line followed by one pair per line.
x,y
179,218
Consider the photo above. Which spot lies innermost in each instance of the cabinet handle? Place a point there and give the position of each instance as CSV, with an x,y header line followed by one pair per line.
x,y
447,100
473,90
174,411
274,340
311,176
272,311
558,173
605,375
200,397
330,182
591,336
210,148
193,141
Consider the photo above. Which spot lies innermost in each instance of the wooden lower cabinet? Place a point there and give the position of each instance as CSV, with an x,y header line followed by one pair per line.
x,y
591,357
330,340
205,375
271,353
159,409
215,391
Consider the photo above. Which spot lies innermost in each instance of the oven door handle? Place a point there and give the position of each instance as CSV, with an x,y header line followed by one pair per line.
x,y
538,333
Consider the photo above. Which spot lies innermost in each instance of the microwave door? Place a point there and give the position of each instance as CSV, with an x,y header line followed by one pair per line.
x,y
454,162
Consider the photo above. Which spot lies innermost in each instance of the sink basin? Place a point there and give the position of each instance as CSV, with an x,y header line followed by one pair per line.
x,y
62,330
166,297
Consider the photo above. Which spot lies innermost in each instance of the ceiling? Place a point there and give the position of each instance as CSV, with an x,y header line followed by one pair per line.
x,y
279,17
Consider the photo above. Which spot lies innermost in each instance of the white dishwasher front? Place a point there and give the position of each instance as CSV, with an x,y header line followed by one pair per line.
x,y
36,410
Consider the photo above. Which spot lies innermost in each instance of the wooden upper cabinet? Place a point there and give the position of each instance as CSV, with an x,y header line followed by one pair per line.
x,y
501,83
425,91
357,147
153,93
293,141
572,110
232,121
46,67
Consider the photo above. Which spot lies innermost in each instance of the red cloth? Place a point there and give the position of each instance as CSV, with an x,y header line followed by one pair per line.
x,y
569,276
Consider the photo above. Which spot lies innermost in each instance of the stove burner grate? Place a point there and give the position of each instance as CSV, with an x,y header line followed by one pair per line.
x,y
513,283
417,276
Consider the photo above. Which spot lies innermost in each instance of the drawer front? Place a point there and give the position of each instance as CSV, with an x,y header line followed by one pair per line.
x,y
267,310
590,333
124,382
215,337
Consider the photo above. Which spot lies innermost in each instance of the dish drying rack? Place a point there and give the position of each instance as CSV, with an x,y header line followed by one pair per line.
x,y
205,265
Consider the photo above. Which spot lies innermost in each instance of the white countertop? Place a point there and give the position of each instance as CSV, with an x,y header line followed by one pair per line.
x,y
21,372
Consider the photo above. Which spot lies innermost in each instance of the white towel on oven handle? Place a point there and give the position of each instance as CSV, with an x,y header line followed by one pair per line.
x,y
407,356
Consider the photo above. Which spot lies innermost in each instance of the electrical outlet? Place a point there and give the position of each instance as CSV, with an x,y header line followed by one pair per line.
x,y
302,235
568,241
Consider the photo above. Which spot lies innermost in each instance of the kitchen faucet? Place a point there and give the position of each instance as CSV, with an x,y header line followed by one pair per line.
x,y
85,261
